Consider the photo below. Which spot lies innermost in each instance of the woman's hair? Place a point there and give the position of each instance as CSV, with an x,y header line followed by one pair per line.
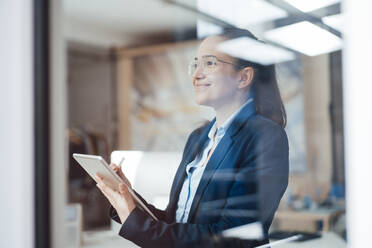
x,y
265,89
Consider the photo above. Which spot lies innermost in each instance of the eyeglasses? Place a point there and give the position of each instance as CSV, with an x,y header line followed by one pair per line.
x,y
208,64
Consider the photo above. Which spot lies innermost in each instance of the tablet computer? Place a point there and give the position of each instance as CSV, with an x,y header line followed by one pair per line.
x,y
96,164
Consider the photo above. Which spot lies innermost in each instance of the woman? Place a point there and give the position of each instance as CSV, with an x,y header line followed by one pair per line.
x,y
234,169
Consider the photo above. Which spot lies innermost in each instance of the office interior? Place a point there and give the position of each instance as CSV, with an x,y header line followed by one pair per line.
x,y
118,87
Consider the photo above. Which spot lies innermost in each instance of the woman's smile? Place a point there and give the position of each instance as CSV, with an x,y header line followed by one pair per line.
x,y
201,86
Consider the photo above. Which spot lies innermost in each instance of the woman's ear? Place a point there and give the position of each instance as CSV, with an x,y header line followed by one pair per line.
x,y
246,77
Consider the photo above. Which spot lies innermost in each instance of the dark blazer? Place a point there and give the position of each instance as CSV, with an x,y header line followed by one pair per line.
x,y
243,182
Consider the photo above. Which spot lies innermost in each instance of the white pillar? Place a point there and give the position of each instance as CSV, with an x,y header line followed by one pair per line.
x,y
58,125
357,90
16,125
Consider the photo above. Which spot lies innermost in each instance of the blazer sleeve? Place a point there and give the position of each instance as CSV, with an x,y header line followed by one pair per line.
x,y
160,214
258,168
268,168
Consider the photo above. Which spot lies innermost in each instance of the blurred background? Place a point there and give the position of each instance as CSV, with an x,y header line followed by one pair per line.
x,y
94,76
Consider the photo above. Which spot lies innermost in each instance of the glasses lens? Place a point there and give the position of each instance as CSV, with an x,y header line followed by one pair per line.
x,y
209,64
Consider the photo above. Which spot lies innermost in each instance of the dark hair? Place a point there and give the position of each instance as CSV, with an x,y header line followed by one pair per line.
x,y
265,88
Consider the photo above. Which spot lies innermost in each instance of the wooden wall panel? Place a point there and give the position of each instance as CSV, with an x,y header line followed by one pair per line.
x,y
125,75
317,179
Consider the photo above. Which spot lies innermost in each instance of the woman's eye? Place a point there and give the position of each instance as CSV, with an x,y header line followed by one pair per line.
x,y
209,63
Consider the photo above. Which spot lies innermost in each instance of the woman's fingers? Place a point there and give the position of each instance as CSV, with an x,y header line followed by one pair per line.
x,y
123,189
124,192
114,167
117,169
121,200
108,192
109,198
113,195
102,185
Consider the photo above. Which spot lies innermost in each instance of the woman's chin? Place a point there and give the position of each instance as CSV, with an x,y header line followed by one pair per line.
x,y
202,101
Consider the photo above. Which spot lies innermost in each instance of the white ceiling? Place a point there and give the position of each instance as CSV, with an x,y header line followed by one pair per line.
x,y
108,23
122,22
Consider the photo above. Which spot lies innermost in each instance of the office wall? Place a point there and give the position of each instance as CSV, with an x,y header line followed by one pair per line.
x,y
164,111
315,182
91,98
16,125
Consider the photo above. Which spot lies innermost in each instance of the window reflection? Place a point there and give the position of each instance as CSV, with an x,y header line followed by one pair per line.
x,y
129,90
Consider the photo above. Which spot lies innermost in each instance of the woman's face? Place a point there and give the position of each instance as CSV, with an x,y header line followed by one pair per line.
x,y
215,88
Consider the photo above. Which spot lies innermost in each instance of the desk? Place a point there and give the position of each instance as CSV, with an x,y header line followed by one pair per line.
x,y
107,239
326,215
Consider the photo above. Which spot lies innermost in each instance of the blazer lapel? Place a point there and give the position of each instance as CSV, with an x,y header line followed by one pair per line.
x,y
214,162
181,171
220,152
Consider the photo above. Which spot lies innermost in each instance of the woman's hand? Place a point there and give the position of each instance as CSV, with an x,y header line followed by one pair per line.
x,y
117,169
121,200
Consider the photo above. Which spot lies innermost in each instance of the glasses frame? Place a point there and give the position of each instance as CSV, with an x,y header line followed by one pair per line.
x,y
192,71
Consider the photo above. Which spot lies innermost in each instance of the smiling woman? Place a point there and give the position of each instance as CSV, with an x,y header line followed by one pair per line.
x,y
262,81
238,160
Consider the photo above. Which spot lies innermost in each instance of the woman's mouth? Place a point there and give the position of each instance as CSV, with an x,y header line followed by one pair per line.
x,y
201,86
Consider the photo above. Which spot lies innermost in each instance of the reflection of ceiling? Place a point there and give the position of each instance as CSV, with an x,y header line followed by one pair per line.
x,y
259,52
335,21
305,38
307,6
110,23
242,13
119,22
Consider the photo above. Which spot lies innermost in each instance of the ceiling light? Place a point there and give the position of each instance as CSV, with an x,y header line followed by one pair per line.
x,y
204,29
305,38
241,12
310,5
335,21
255,51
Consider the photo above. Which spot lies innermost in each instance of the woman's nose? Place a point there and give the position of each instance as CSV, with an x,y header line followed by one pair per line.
x,y
198,73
